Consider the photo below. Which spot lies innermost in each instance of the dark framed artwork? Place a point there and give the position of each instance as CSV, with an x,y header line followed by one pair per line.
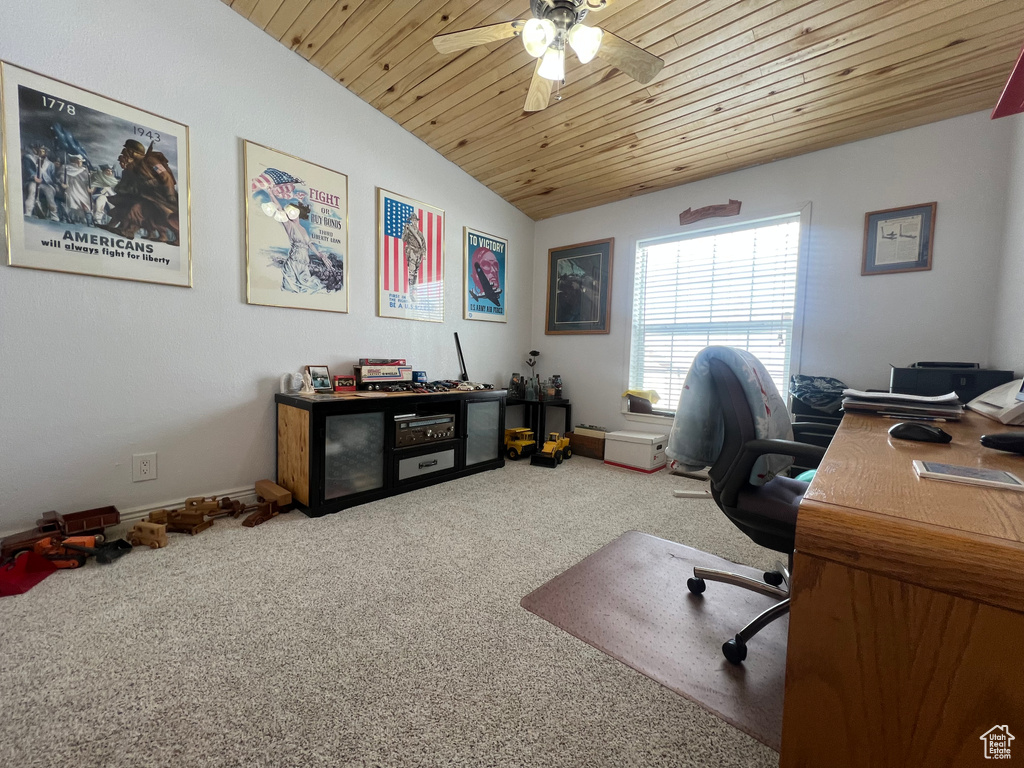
x,y
580,288
899,240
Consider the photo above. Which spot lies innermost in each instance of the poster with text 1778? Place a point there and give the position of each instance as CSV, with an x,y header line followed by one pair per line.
x,y
93,186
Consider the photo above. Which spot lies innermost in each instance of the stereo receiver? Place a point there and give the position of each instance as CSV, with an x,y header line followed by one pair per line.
x,y
411,429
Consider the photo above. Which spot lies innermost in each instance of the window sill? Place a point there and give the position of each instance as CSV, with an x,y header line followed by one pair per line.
x,y
649,418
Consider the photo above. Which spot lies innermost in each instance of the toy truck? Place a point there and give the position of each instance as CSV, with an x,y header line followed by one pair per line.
x,y
83,523
519,441
53,525
271,500
556,448
181,520
152,535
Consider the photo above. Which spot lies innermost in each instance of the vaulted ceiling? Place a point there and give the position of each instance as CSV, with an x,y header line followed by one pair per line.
x,y
745,82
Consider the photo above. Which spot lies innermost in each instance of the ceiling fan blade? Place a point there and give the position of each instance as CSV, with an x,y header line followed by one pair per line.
x,y
540,91
631,59
467,38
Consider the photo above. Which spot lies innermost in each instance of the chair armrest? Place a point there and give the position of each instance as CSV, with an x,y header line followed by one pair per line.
x,y
814,433
739,474
754,449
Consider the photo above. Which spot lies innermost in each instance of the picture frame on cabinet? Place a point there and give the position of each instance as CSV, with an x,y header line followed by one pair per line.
x,y
320,377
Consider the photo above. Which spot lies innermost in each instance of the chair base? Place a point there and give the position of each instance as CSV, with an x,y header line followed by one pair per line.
x,y
735,650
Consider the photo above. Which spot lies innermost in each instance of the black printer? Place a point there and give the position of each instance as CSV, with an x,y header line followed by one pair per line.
x,y
968,380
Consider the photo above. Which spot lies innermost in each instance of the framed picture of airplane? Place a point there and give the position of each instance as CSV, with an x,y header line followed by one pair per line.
x,y
899,240
484,283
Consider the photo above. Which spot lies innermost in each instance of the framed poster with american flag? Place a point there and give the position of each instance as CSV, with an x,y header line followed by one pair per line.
x,y
296,232
410,258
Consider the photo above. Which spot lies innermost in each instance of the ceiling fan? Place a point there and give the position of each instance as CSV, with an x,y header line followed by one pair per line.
x,y
556,23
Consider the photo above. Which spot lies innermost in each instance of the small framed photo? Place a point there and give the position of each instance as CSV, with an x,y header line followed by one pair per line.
x,y
485,257
580,288
899,240
321,378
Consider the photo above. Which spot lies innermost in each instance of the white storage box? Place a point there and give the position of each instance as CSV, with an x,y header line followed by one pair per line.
x,y
643,451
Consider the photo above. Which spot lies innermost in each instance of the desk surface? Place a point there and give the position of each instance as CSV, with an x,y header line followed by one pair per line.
x,y
907,605
868,508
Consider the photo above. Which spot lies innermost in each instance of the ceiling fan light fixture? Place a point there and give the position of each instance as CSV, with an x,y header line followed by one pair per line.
x,y
552,66
585,41
537,35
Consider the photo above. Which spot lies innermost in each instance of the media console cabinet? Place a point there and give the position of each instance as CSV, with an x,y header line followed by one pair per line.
x,y
337,451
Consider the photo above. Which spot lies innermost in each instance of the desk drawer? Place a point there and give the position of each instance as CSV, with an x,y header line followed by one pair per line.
x,y
426,464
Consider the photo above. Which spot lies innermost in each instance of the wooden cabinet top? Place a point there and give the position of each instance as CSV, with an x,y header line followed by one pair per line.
x,y
382,399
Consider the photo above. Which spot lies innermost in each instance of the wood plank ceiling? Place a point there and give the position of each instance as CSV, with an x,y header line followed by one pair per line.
x,y
745,82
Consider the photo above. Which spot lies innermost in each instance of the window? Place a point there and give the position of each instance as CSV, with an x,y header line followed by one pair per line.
x,y
733,286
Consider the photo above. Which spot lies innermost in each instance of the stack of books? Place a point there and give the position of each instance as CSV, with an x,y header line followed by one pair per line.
x,y
938,408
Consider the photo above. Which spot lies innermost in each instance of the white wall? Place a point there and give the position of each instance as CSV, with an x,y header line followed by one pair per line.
x,y
191,373
854,326
1008,340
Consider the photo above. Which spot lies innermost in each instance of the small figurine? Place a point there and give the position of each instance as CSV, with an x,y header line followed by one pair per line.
x,y
307,384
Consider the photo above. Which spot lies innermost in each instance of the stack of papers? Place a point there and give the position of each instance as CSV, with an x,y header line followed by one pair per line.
x,y
939,407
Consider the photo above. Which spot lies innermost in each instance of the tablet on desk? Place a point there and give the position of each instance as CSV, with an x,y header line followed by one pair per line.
x,y
992,478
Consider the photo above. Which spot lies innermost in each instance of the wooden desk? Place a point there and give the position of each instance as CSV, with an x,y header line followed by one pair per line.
x,y
906,635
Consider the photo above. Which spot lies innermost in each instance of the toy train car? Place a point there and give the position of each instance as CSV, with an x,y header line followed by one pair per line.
x,y
79,523
90,522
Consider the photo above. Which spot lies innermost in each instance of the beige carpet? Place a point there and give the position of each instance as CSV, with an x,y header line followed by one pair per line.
x,y
386,636
629,599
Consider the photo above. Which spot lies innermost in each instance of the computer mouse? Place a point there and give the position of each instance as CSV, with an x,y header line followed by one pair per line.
x,y
925,433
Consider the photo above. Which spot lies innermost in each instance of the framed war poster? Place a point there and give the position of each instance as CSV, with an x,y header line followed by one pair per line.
x,y
410,258
296,232
93,185
484,289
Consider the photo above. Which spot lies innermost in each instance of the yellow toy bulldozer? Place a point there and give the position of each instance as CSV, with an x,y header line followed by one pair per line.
x,y
555,449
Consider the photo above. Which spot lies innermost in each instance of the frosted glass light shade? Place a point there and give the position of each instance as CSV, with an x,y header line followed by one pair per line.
x,y
585,41
537,35
552,66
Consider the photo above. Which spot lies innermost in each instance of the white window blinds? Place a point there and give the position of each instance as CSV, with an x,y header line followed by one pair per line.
x,y
732,287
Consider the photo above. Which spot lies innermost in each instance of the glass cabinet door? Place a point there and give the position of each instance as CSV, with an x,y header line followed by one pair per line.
x,y
483,420
353,454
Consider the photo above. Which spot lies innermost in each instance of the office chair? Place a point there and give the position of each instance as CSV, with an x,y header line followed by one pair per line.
x,y
766,513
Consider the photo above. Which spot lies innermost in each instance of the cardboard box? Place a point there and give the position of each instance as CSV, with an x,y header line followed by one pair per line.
x,y
586,445
642,451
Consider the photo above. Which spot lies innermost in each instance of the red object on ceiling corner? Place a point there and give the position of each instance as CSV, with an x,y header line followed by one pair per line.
x,y
1012,99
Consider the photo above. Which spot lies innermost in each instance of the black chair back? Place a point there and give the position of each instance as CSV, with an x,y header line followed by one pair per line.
x,y
730,475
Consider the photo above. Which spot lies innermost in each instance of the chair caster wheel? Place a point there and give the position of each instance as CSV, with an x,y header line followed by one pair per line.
x,y
773,577
696,586
735,650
